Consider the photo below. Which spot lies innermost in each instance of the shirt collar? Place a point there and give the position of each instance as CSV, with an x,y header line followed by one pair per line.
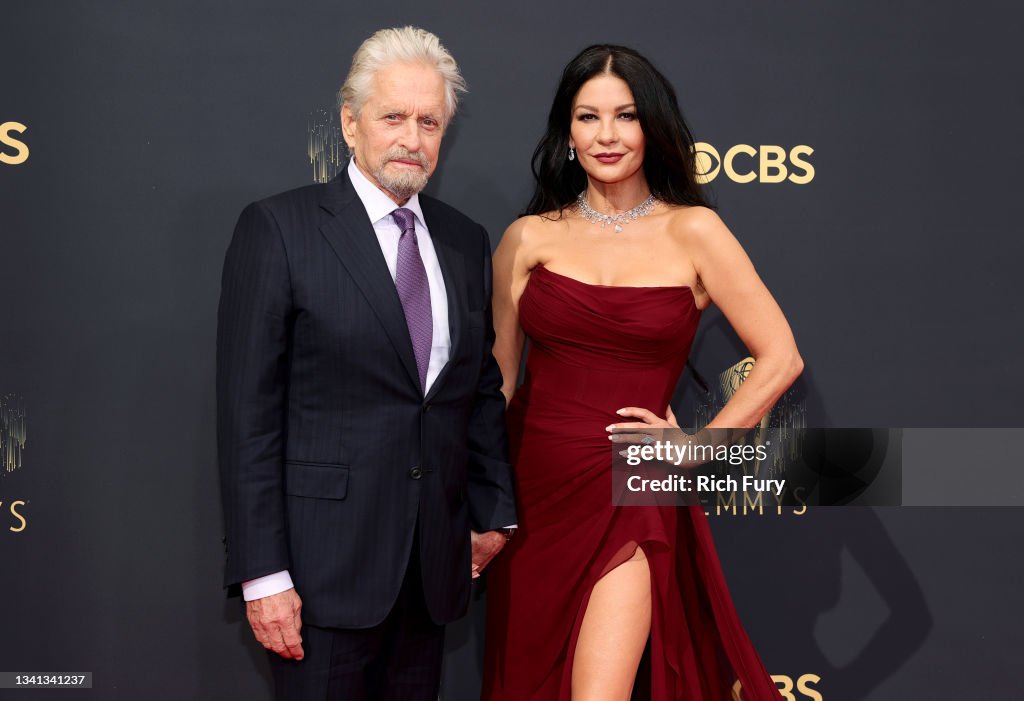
x,y
377,204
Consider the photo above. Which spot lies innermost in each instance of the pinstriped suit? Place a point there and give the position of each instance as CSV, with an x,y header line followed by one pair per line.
x,y
330,455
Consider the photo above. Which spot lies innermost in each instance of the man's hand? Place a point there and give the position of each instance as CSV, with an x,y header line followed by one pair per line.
x,y
485,547
276,623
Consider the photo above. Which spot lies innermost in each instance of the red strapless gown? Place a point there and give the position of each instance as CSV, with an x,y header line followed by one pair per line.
x,y
595,349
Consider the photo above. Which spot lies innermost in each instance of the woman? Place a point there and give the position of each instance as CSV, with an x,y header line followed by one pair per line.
x,y
607,274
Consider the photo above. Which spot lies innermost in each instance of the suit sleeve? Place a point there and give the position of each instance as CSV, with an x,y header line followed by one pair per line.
x,y
253,330
490,491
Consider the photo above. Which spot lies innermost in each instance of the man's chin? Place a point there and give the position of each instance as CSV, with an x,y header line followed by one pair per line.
x,y
403,188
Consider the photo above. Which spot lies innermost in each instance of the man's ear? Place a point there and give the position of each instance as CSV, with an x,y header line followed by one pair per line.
x,y
348,126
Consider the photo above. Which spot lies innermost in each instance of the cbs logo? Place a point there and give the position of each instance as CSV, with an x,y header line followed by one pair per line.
x,y
744,163
785,685
18,521
12,150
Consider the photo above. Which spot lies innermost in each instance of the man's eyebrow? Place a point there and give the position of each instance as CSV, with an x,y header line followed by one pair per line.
x,y
432,114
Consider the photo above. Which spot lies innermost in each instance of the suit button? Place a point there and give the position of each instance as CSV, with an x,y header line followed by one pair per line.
x,y
415,472
426,408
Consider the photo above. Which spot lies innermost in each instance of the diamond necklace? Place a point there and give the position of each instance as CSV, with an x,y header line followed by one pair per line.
x,y
592,215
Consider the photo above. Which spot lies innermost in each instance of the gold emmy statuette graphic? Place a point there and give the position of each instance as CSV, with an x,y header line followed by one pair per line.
x,y
12,433
324,145
785,416
12,445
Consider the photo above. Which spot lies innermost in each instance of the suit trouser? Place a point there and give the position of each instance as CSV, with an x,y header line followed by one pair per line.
x,y
397,660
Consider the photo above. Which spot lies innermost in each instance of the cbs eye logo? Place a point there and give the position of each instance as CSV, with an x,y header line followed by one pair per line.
x,y
12,151
744,163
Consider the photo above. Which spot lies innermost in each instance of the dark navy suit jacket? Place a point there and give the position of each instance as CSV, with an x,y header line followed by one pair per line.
x,y
329,453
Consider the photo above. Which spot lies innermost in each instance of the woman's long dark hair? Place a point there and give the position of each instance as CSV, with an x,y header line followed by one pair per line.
x,y
669,163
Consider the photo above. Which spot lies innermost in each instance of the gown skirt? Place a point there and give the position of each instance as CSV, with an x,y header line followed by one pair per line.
x,y
595,349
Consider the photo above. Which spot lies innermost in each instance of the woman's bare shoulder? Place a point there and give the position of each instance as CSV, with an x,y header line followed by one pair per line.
x,y
696,225
533,230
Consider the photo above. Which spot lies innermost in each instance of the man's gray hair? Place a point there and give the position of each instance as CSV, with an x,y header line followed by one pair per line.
x,y
397,45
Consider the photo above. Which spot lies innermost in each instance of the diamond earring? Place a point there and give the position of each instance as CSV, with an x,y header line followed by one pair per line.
x,y
572,154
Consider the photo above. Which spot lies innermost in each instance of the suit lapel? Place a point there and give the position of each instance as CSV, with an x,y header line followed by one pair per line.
x,y
351,236
453,270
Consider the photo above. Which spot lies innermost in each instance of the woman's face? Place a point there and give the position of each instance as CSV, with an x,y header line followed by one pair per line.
x,y
605,130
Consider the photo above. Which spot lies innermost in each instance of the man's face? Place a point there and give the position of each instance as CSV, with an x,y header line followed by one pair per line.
x,y
397,135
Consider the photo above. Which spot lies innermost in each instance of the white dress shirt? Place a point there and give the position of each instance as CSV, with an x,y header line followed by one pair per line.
x,y
379,208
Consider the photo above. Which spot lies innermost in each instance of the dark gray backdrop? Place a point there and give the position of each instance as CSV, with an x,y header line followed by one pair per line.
x,y
151,125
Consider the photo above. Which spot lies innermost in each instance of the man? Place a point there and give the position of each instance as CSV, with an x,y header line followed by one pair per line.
x,y
360,417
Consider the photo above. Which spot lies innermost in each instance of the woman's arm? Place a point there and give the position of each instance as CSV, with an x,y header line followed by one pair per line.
x,y
725,271
511,271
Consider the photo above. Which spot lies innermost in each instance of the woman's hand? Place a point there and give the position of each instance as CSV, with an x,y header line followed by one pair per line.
x,y
651,429
646,430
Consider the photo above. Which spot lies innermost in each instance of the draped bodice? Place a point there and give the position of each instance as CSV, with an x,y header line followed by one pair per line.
x,y
603,347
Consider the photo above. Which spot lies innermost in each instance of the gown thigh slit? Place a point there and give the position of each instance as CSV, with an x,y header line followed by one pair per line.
x,y
593,350
624,555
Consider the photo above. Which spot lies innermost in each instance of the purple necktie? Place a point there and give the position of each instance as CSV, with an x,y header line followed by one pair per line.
x,y
413,290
